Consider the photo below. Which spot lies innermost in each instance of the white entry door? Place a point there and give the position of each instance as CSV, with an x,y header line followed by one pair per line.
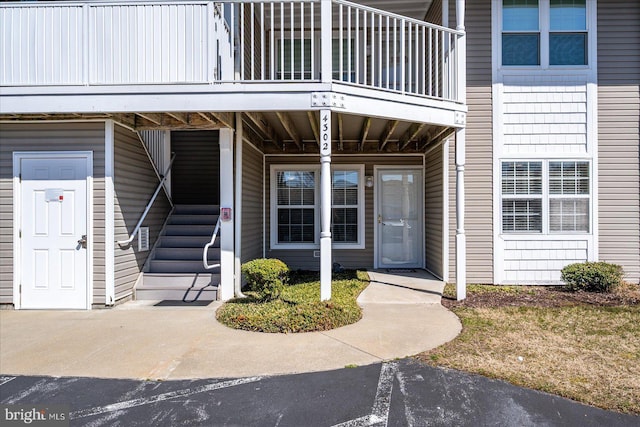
x,y
54,233
400,218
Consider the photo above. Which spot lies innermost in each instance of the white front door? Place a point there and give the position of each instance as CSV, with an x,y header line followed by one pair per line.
x,y
400,218
53,226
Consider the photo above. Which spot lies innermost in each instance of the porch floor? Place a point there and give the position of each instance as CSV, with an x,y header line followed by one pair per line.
x,y
402,316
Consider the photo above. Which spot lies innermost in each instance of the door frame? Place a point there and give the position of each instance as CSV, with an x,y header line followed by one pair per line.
x,y
376,238
18,156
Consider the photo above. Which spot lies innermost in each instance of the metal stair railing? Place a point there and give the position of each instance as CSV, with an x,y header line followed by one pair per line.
x,y
148,207
205,252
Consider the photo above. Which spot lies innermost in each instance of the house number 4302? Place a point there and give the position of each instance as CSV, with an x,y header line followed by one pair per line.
x,y
325,133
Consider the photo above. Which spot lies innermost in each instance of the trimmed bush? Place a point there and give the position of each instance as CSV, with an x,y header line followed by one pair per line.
x,y
592,276
266,277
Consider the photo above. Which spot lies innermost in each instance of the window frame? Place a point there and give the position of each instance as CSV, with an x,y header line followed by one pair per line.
x,y
544,31
273,226
275,244
547,197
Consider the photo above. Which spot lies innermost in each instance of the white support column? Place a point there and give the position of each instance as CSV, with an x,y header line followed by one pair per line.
x,y
237,283
227,261
326,35
461,239
325,205
109,213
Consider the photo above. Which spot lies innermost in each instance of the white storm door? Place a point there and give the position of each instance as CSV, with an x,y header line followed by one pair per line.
x,y
399,222
53,226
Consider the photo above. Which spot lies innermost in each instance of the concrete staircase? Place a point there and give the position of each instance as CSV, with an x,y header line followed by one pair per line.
x,y
175,271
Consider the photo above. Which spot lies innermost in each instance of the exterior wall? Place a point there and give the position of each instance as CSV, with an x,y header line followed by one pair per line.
x,y
252,203
134,183
619,134
195,176
434,14
479,150
49,136
349,258
433,211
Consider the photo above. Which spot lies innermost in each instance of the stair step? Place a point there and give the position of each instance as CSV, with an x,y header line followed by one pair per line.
x,y
185,253
204,219
179,287
196,209
179,280
189,230
178,266
186,241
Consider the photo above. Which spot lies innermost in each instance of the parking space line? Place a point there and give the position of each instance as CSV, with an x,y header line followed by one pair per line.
x,y
160,397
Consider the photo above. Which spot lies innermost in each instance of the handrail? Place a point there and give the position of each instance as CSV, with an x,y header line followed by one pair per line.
x,y
208,245
146,210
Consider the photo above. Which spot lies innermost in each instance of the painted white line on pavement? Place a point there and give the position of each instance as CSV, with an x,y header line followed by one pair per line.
x,y
382,402
4,380
160,397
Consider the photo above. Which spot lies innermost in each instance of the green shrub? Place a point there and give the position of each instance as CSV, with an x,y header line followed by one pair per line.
x,y
592,276
266,276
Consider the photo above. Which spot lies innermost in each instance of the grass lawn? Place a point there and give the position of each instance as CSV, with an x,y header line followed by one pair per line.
x,y
584,347
299,308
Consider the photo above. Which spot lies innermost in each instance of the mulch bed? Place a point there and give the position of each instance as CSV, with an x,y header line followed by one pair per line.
x,y
544,296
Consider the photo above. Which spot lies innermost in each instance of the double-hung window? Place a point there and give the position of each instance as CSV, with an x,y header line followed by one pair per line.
x,y
568,196
544,32
295,213
522,197
545,197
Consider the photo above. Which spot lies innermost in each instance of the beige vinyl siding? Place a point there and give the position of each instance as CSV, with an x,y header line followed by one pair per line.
x,y
434,14
252,203
349,258
85,136
134,183
195,176
619,134
479,150
433,211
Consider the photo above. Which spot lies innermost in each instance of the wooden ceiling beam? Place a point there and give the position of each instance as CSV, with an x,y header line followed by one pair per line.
x,y
152,117
313,121
290,127
227,119
410,134
386,134
181,117
340,139
262,124
364,133
439,135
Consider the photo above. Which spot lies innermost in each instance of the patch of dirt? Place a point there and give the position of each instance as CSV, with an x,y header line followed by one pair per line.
x,y
545,296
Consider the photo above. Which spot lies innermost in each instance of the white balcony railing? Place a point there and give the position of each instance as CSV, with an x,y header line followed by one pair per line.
x,y
204,42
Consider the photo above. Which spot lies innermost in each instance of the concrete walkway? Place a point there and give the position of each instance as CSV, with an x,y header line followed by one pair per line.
x,y
402,316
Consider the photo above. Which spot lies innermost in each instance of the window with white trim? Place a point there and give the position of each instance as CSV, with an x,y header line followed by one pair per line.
x,y
545,196
295,214
521,197
540,32
295,206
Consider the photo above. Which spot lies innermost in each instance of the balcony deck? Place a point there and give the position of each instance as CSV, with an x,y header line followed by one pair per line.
x,y
170,64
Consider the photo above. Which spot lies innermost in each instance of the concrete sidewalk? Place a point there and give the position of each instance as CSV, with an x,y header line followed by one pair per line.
x,y
402,316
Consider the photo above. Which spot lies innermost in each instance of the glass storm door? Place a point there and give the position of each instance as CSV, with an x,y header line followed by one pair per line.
x,y
400,218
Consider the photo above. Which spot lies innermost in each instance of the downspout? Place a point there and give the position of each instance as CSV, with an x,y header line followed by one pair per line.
x,y
237,281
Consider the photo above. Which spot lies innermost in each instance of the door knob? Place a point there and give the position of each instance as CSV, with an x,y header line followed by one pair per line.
x,y
83,241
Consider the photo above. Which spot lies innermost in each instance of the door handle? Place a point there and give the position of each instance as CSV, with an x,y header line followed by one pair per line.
x,y
83,241
379,219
